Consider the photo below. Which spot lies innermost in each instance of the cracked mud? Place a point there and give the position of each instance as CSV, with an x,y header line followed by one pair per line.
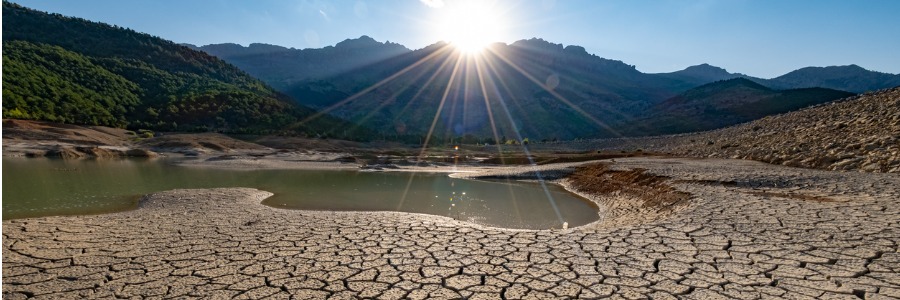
x,y
750,231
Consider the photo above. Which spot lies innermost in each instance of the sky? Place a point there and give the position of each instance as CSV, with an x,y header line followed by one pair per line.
x,y
763,38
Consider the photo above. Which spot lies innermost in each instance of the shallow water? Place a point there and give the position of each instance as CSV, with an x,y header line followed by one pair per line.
x,y
42,187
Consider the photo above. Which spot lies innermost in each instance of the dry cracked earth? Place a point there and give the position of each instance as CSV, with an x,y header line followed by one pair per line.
x,y
750,231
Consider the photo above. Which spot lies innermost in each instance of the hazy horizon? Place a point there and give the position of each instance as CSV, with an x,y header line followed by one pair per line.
x,y
764,39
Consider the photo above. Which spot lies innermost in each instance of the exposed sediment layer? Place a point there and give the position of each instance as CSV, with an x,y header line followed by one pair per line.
x,y
747,234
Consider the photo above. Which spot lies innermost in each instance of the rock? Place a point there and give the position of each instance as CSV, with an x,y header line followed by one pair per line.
x,y
871,167
36,154
101,152
191,152
141,153
346,159
65,153
379,167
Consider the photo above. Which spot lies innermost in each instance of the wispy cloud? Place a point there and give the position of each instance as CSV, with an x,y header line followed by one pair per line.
x,y
433,3
324,15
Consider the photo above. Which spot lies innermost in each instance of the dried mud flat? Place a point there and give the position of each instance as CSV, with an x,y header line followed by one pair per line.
x,y
750,231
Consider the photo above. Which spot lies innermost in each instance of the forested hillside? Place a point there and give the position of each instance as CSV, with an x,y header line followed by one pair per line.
x,y
71,70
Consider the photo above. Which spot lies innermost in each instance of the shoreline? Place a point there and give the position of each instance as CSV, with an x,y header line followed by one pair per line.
x,y
554,174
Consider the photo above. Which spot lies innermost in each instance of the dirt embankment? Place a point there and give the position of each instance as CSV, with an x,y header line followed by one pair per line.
x,y
25,130
37,138
198,143
629,196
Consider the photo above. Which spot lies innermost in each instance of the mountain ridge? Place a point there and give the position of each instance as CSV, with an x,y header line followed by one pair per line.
x,y
694,75
280,66
851,78
596,96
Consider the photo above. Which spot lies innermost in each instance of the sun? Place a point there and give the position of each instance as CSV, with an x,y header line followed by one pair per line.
x,y
470,26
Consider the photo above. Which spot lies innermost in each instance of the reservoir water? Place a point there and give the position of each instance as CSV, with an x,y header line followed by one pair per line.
x,y
42,187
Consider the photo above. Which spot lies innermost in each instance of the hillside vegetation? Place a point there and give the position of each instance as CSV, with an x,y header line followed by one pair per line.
x,y
71,70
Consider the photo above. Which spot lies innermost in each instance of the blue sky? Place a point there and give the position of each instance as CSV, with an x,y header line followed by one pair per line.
x,y
764,38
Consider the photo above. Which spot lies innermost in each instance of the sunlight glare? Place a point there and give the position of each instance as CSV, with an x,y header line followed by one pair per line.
x,y
470,25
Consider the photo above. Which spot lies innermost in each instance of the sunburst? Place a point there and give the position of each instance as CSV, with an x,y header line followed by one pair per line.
x,y
470,26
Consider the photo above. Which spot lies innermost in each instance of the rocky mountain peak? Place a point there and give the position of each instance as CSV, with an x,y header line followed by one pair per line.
x,y
705,70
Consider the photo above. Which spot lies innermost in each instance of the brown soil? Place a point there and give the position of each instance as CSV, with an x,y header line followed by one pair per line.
x,y
25,130
299,143
37,138
210,141
654,191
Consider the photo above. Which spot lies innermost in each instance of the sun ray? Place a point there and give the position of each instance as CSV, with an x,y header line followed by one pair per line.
x,y
586,86
454,99
509,92
443,49
506,88
527,153
471,25
372,113
487,106
481,73
440,107
555,94
406,190
434,75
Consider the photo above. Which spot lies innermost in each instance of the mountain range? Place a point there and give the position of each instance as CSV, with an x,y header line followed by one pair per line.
x,y
71,70
850,78
397,91
280,66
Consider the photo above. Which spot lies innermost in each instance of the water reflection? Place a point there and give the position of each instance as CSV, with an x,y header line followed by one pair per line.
x,y
40,187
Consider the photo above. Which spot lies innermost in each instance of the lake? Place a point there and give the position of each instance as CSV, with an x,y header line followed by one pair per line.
x,y
35,187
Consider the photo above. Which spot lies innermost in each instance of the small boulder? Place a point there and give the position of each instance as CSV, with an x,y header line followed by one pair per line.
x,y
100,152
141,153
36,154
65,153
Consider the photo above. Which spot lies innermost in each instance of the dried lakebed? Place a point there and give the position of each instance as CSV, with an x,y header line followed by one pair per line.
x,y
751,230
